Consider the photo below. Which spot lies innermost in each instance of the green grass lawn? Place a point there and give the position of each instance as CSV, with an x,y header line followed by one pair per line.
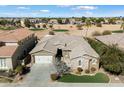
x,y
98,78
60,30
36,29
118,31
7,28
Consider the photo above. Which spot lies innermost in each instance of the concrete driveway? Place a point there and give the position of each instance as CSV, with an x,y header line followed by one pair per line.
x,y
39,75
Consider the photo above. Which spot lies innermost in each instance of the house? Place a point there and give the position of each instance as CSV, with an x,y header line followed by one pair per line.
x,y
114,39
119,21
15,46
72,21
53,21
76,52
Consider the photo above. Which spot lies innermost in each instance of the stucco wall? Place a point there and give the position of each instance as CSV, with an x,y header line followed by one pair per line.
x,y
84,62
8,62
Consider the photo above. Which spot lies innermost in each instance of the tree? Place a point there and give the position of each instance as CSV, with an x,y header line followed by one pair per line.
x,y
27,23
83,19
112,20
45,20
87,25
93,19
99,21
59,21
122,26
51,27
38,26
123,19
67,21
3,22
44,26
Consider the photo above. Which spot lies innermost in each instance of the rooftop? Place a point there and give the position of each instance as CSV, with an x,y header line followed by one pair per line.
x,y
7,51
14,35
76,44
117,39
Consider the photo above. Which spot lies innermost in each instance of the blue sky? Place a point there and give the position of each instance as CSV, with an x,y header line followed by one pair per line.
x,y
61,10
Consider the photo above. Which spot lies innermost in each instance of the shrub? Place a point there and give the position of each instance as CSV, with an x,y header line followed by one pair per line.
x,y
96,33
51,33
93,69
111,58
79,69
87,71
19,69
54,76
107,32
44,25
99,25
78,72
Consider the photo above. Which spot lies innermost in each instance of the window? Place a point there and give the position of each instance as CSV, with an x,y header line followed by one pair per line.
x,y
79,62
2,62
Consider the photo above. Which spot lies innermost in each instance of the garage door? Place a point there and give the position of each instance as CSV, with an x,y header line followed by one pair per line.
x,y
43,59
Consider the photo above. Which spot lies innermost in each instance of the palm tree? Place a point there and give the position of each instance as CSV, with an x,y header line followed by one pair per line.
x,y
88,24
122,26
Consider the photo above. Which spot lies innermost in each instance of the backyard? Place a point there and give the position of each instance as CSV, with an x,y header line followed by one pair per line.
x,y
98,78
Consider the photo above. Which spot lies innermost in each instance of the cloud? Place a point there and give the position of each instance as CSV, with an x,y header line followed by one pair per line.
x,y
89,13
44,11
21,7
85,8
64,5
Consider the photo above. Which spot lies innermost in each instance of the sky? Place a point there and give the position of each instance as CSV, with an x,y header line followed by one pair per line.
x,y
61,10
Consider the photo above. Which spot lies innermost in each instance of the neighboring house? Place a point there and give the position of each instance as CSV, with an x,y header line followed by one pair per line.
x,y
119,21
75,50
114,39
53,21
15,46
72,21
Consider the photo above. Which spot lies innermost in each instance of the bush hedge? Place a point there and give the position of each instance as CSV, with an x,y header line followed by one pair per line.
x,y
54,76
111,58
107,32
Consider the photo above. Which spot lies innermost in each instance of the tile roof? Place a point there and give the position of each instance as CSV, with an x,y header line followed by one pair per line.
x,y
14,35
7,51
117,39
76,44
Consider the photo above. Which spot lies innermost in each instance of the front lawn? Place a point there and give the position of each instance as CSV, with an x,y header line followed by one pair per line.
x,y
98,78
118,31
60,30
36,29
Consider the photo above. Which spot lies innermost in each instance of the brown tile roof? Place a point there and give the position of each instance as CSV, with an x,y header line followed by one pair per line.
x,y
14,35
7,51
